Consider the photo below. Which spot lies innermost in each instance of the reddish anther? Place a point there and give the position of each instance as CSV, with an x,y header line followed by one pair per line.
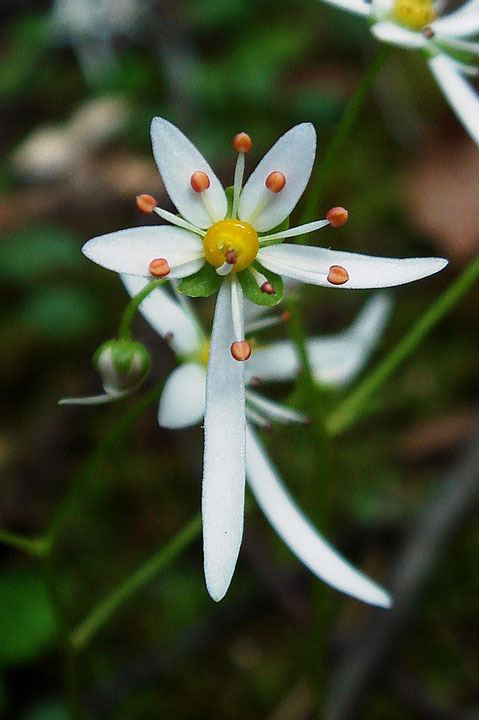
x,y
337,275
199,181
285,316
159,267
241,351
275,181
242,142
428,33
337,216
231,257
268,288
146,203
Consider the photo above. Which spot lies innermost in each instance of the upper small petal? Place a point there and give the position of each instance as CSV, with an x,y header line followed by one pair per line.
x,y
182,401
293,156
311,265
131,251
177,159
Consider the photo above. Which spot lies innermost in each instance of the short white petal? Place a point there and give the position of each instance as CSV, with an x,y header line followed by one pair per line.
x,y
293,155
166,316
300,535
464,22
182,401
360,7
224,460
391,32
177,160
276,362
461,96
311,265
131,251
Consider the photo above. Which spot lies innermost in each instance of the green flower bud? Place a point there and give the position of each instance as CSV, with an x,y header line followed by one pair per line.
x,y
122,364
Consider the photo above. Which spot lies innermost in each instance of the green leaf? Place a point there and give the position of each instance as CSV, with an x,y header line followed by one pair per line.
x,y
59,312
252,290
47,710
41,250
203,283
229,192
26,622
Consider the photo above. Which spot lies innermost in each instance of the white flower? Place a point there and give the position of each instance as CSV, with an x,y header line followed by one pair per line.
x,y
420,25
222,246
337,359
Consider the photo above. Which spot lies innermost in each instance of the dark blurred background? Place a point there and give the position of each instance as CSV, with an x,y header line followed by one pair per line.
x,y
79,86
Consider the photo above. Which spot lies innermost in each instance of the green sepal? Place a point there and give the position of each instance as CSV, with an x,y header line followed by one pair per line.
x,y
279,228
203,283
229,192
252,291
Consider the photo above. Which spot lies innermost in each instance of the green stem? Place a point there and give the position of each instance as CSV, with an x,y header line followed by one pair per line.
x,y
124,332
354,405
32,546
83,633
93,464
335,148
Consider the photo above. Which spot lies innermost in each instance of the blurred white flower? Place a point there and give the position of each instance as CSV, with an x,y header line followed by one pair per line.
x,y
443,38
237,249
337,358
90,27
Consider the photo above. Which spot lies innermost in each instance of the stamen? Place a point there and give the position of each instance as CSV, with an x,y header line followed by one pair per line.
x,y
337,275
241,351
237,310
337,216
199,181
169,336
159,267
428,33
176,220
292,232
224,269
263,323
275,181
230,257
257,419
242,142
268,288
146,203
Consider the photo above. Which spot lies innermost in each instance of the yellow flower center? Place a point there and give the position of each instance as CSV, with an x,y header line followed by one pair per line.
x,y
231,241
414,14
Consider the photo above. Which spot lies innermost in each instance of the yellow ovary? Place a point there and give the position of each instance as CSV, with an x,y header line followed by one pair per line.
x,y
229,235
414,14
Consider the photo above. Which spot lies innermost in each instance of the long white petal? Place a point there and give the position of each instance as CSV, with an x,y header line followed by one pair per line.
x,y
391,32
224,460
131,251
177,160
360,7
293,155
311,265
464,22
300,535
182,401
461,96
166,316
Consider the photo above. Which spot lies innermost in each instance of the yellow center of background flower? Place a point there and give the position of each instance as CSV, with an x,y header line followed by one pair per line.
x,y
414,14
227,235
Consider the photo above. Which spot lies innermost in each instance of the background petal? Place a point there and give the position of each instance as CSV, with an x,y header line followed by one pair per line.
x,y
391,32
461,96
224,459
299,534
167,316
177,160
464,22
293,155
182,401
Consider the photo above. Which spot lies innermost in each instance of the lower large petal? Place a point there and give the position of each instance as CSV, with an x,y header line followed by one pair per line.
x,y
299,534
224,459
312,265
461,96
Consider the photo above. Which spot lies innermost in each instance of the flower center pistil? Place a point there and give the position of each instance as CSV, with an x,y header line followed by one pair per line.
x,y
414,14
231,242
